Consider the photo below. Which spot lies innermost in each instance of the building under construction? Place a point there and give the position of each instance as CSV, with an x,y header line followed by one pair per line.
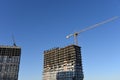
x,y
9,62
63,64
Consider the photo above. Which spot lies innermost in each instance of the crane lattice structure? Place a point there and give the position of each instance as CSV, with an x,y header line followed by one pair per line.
x,y
88,28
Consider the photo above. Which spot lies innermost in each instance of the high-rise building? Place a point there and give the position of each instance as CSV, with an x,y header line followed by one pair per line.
x,y
63,64
9,62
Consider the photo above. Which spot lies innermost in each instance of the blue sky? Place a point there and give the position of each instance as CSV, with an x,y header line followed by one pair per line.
x,y
39,25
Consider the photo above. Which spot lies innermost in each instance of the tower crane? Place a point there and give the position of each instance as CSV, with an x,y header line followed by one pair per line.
x,y
14,44
75,34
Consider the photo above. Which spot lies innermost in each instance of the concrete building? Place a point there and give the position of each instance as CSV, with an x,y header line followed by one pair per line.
x,y
63,64
9,62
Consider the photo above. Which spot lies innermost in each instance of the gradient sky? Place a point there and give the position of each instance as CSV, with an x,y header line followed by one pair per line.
x,y
39,25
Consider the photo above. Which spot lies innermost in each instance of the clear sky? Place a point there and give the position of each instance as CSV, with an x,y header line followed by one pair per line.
x,y
39,25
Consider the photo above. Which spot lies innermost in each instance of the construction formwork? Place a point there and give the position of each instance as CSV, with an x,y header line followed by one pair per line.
x,y
9,62
63,64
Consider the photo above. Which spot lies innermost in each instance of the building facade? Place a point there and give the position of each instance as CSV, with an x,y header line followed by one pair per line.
x,y
63,64
9,62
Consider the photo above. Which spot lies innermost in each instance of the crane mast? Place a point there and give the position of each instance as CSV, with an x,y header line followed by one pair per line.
x,y
88,28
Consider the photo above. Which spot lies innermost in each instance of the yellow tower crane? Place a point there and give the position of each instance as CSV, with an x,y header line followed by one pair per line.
x,y
88,28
